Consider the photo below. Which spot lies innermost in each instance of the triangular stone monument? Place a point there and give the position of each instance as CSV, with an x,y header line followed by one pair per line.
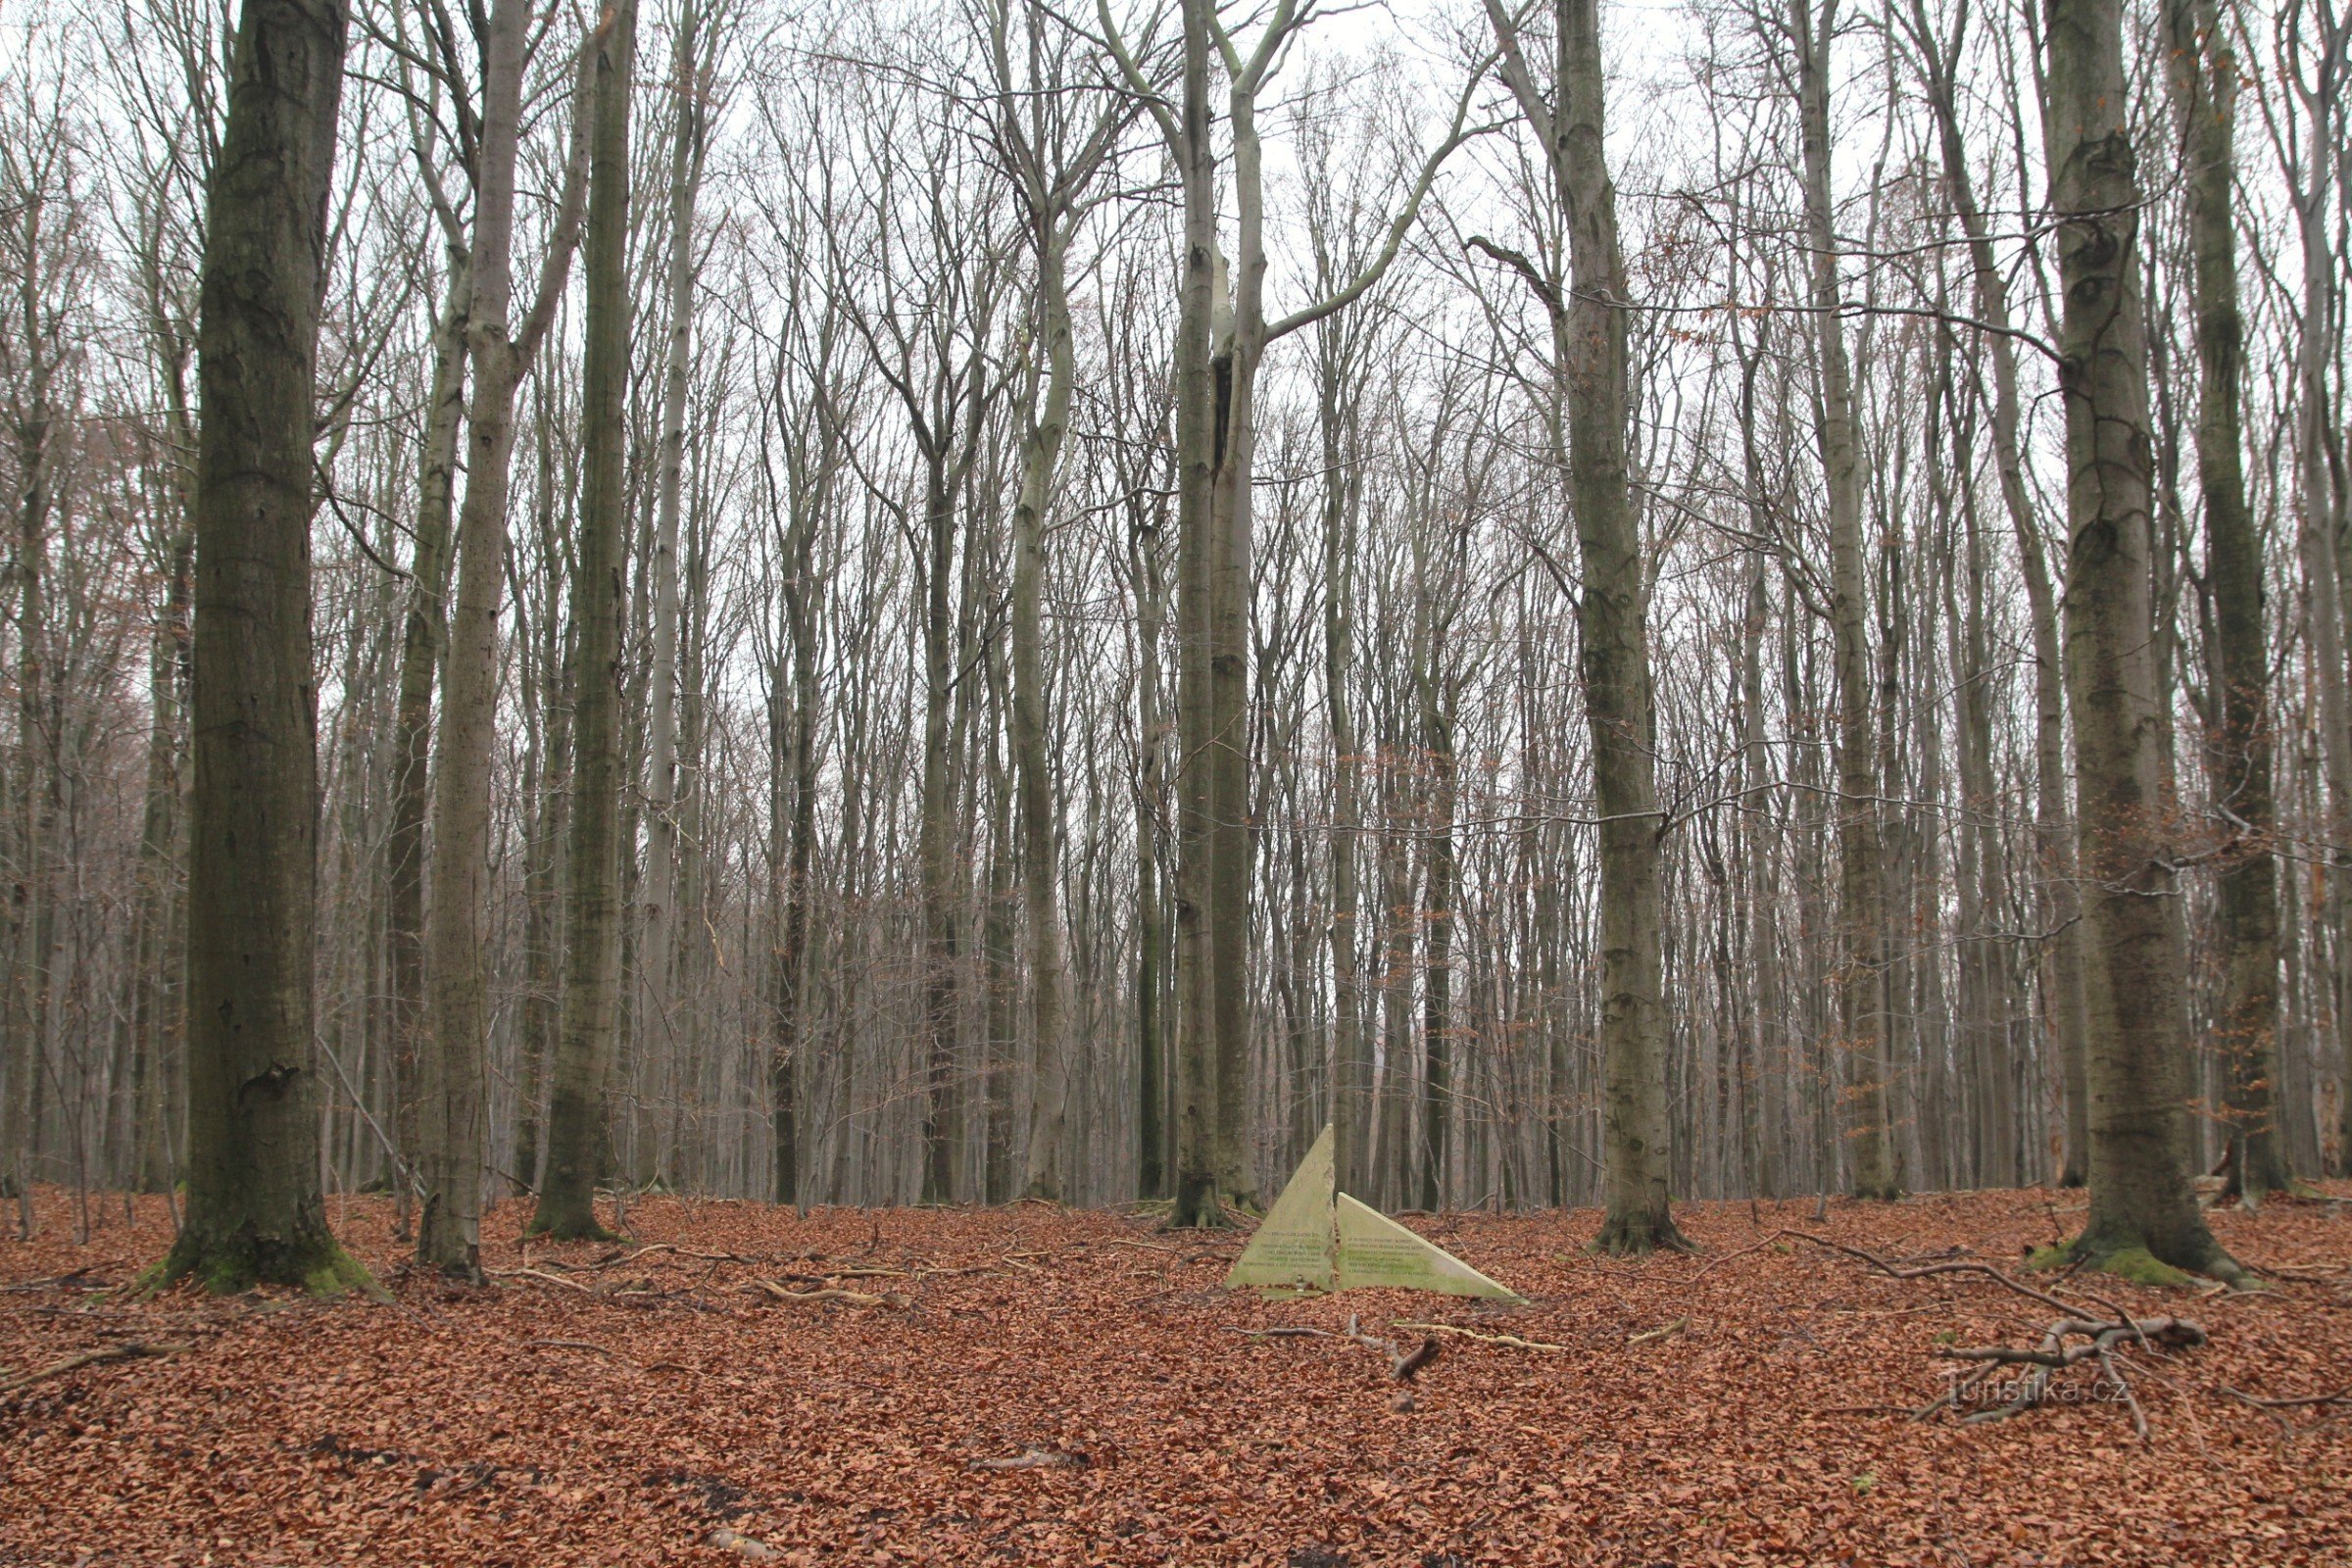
x,y
1318,1237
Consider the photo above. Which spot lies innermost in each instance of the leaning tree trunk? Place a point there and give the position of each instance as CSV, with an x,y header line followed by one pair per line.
x,y
591,979
2204,81
2140,1204
454,1066
254,1211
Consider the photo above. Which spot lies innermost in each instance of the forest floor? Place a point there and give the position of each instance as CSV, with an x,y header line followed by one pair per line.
x,y
1029,1386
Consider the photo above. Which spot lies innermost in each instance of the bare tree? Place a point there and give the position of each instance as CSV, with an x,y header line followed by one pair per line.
x,y
255,1210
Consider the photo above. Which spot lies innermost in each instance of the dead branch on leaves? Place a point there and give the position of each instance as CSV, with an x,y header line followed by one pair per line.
x,y
2059,1351
128,1351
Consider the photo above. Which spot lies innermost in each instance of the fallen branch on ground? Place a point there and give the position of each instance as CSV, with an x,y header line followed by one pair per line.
x,y
128,1351
1666,1333
1403,1364
778,1293
573,1344
2288,1432
1511,1340
2072,1309
1033,1459
540,1275
2339,1397
2056,1354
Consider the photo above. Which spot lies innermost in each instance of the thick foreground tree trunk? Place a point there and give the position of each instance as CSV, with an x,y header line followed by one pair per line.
x,y
255,1210
2140,1204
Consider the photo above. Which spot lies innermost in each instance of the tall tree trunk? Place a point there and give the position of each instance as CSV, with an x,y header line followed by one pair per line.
x,y
157,1018
1862,914
1199,439
2328,45
1041,450
453,1070
254,1211
24,1005
1589,345
591,979
1437,912
2203,73
424,627
2139,1195
793,835
2062,946
936,847
657,958
1351,1058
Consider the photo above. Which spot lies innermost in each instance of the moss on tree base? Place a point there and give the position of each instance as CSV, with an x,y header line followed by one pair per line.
x,y
2128,1258
231,1264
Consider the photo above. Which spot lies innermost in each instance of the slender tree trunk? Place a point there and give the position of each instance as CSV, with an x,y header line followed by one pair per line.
x,y
1588,342
1862,914
424,627
1351,1059
157,1017
2062,946
794,821
2328,44
254,1211
591,979
453,1070
2139,1195
1199,439
24,1005
1437,1065
2203,73
657,958
1041,450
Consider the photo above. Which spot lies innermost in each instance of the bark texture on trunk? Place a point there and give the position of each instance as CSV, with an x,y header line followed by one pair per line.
x,y
591,979
255,1210
2140,1202
1862,913
452,1077
1589,334
2203,73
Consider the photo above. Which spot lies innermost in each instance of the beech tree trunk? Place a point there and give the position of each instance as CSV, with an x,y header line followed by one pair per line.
x,y
2203,77
658,952
453,1132
592,980
2139,1195
1589,345
424,629
1862,913
254,1211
